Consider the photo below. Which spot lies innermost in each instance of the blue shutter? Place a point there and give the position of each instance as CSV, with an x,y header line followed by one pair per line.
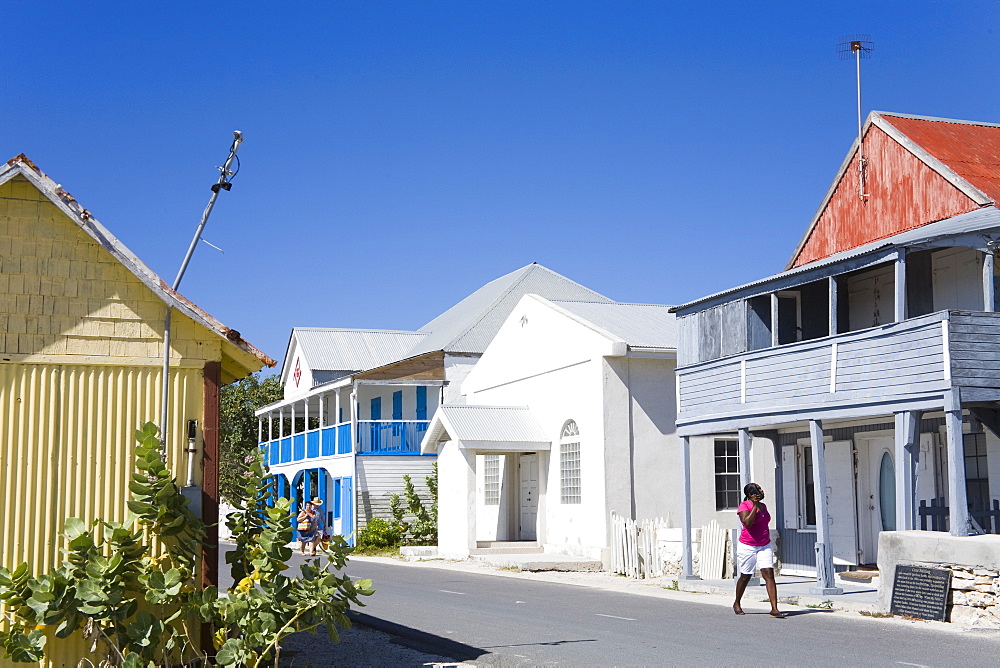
x,y
397,405
376,409
421,402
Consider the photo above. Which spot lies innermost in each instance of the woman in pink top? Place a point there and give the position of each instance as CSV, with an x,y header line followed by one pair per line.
x,y
755,550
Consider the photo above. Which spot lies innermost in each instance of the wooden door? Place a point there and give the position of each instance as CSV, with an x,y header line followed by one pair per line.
x,y
529,496
958,279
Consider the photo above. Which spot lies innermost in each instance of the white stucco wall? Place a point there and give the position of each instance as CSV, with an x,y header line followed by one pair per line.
x,y
762,468
558,367
456,369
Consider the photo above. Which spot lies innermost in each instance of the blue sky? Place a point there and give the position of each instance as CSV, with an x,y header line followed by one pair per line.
x,y
398,155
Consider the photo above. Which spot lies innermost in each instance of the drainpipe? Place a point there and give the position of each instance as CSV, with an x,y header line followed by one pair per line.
x,y
222,184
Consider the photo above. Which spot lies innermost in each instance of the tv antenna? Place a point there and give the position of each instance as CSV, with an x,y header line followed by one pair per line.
x,y
858,47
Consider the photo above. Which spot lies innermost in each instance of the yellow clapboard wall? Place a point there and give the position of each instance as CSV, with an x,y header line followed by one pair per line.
x,y
80,369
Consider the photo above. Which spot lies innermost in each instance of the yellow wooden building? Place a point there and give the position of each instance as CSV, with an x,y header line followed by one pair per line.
x,y
81,354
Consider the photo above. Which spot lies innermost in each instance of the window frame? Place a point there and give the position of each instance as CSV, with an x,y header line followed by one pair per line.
x,y
570,464
727,476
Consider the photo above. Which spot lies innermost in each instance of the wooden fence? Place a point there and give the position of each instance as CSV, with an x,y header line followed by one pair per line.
x,y
984,519
634,548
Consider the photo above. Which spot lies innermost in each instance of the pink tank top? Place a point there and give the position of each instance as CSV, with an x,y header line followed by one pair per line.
x,y
756,534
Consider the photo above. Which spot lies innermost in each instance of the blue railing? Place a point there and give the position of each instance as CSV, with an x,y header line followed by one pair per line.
x,y
343,438
375,437
391,437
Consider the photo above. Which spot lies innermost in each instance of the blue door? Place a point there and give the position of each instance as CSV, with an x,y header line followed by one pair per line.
x,y
376,416
347,510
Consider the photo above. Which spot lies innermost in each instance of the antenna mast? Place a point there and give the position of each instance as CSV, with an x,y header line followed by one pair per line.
x,y
860,46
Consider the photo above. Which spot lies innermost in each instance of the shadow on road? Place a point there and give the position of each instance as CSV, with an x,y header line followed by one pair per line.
x,y
420,640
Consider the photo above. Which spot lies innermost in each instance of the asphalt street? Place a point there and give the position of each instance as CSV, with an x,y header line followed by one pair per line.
x,y
490,619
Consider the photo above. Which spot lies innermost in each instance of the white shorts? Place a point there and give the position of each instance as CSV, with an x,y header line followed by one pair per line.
x,y
754,557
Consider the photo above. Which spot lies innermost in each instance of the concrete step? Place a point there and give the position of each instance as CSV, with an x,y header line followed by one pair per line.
x,y
538,562
506,547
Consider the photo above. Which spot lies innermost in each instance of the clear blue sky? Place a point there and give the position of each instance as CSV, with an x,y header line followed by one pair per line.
x,y
400,154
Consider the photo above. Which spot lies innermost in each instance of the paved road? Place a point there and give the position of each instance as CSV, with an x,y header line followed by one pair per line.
x,y
509,621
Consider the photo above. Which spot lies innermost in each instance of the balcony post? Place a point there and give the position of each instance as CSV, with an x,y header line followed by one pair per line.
x,y
900,287
322,410
907,453
270,426
336,406
260,430
687,567
774,319
354,418
305,414
281,422
825,582
832,285
744,453
958,504
989,289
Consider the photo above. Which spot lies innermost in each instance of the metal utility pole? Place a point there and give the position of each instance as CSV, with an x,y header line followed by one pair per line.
x,y
860,46
224,183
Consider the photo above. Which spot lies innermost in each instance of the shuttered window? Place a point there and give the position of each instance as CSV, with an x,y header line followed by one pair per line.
x,y
397,405
421,402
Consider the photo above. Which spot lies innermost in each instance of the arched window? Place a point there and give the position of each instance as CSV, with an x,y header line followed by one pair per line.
x,y
569,463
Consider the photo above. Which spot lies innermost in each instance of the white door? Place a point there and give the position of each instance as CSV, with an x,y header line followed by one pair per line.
x,y
876,493
958,279
529,496
839,456
871,298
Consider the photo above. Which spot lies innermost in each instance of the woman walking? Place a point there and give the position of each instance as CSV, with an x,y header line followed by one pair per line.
x,y
755,551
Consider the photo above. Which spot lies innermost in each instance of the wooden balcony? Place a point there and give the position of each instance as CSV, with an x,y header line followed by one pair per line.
x,y
907,365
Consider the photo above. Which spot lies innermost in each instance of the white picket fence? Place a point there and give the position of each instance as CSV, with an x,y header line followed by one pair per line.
x,y
634,548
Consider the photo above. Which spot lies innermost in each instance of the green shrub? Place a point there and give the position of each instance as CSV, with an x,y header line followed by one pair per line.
x,y
379,533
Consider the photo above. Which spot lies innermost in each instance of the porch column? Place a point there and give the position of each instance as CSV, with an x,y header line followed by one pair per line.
x,y
907,454
744,441
900,299
958,504
988,286
774,319
824,550
292,409
336,407
281,422
260,430
354,419
322,410
305,414
686,559
832,287
270,426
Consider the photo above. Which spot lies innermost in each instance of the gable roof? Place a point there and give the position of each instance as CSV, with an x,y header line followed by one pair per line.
x,y
351,350
470,325
22,166
503,427
638,325
954,168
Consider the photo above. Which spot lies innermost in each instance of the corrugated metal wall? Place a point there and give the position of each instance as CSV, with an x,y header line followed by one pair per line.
x,y
68,435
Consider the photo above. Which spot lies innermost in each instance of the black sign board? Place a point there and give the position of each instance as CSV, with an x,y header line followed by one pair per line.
x,y
921,592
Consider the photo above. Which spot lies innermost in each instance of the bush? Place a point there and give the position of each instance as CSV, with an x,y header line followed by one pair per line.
x,y
379,533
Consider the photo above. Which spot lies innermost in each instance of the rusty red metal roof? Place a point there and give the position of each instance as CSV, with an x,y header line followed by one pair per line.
x,y
971,150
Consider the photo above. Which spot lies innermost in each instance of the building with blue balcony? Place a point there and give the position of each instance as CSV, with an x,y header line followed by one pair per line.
x,y
870,366
357,402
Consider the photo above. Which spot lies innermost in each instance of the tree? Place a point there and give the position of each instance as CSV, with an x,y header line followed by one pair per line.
x,y
238,428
